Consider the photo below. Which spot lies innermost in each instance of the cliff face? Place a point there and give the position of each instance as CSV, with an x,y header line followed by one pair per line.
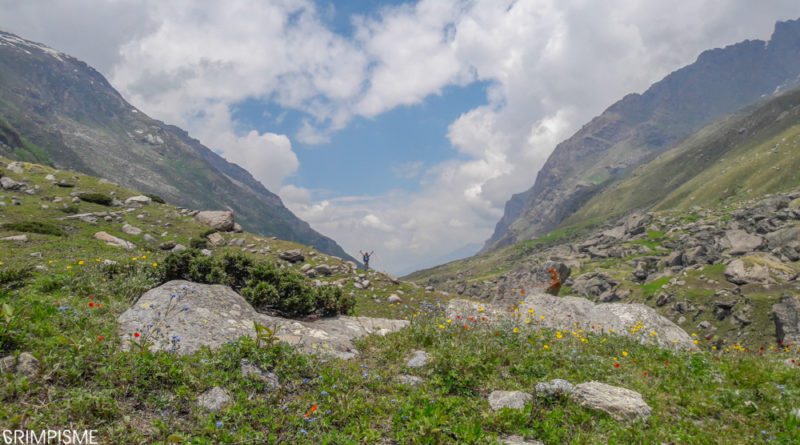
x,y
640,126
72,118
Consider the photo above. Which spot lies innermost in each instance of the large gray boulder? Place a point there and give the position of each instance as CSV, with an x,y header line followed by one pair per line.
x,y
7,183
112,240
214,399
562,312
216,219
292,256
182,316
786,315
418,359
140,200
508,399
740,272
741,242
619,403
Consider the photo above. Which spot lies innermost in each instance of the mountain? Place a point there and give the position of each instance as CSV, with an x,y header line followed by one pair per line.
x,y
56,110
457,254
640,126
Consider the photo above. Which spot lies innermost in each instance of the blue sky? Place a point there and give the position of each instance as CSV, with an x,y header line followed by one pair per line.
x,y
399,127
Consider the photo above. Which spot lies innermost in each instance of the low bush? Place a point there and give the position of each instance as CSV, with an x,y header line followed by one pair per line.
x,y
264,285
44,228
70,209
97,198
155,198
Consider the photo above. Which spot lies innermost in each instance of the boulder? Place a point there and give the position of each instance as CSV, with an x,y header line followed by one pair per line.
x,y
214,399
563,312
112,240
292,256
508,399
216,219
131,230
418,359
237,228
216,239
410,380
16,167
178,248
394,299
139,200
26,364
519,440
323,269
554,388
741,242
149,238
18,238
740,272
786,315
212,315
619,403
7,183
167,245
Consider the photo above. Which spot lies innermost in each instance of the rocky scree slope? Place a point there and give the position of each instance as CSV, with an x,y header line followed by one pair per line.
x,y
728,274
640,126
56,110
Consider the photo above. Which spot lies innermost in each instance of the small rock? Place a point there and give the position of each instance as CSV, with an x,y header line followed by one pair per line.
x,y
410,380
323,269
292,256
418,359
50,178
149,238
216,239
19,238
214,399
112,240
26,364
554,388
620,403
508,399
248,369
167,245
138,200
519,440
131,230
205,252
178,248
394,299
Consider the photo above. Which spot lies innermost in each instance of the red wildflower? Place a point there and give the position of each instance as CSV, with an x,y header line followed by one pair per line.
x,y
91,296
91,304
100,338
569,315
313,408
762,348
136,334
458,317
466,327
99,305
645,373
616,365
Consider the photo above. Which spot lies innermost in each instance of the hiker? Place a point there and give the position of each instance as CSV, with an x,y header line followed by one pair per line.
x,y
365,258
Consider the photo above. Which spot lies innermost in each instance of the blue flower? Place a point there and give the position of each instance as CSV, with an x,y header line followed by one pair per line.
x,y
176,338
303,431
219,424
64,308
335,386
324,393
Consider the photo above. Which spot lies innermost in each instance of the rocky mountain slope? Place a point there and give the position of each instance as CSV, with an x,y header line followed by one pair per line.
x,y
56,110
97,333
640,126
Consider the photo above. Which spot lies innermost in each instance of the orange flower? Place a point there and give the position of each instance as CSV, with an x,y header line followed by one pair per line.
x,y
313,408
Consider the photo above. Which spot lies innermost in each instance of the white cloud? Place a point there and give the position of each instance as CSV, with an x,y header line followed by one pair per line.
x,y
551,65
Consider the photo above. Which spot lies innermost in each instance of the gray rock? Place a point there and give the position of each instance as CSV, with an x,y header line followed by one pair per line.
x,y
323,269
205,252
18,238
131,230
741,242
237,228
519,440
410,380
619,403
306,267
292,256
554,388
150,238
216,219
10,184
786,315
508,399
248,369
167,245
16,167
562,312
394,299
112,240
784,236
26,364
216,239
138,200
109,262
676,258
212,315
214,399
418,359
739,272
178,248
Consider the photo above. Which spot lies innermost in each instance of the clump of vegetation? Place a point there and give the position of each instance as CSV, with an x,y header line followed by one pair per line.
x,y
65,184
97,198
44,228
14,277
264,285
70,209
198,243
155,198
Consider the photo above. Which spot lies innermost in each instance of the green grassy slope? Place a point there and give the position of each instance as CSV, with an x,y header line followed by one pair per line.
x,y
61,305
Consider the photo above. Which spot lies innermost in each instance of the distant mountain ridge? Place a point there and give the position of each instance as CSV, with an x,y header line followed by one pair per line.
x,y
57,110
640,126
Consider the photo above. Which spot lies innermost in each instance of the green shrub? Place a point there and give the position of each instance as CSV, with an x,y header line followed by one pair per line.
x,y
198,243
70,209
14,277
265,286
155,198
44,228
65,185
97,198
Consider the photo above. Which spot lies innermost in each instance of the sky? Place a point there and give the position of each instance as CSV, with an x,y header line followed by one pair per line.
x,y
401,127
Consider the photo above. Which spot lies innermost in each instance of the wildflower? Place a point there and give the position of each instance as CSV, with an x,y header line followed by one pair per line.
x,y
546,347
91,304
80,263
466,327
324,393
63,308
136,334
616,365
441,326
624,353
100,338
303,431
515,329
313,408
155,264
449,321
219,424
69,267
480,309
